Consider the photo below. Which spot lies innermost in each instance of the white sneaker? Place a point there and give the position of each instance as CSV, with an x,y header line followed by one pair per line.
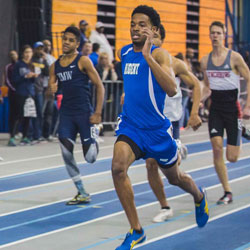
x,y
163,215
1,158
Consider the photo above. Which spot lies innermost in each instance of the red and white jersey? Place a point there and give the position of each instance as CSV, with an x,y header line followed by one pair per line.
x,y
224,84
222,77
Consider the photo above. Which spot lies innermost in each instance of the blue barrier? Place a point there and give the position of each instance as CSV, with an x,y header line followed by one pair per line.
x,y
4,113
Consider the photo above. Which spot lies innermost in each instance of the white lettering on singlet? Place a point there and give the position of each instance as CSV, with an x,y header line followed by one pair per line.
x,y
65,76
219,74
131,68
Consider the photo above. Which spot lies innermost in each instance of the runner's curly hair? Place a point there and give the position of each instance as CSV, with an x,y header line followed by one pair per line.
x,y
150,12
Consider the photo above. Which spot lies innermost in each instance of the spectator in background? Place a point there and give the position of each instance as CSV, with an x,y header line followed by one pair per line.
x,y
118,70
87,48
106,69
42,69
48,104
189,58
198,71
13,105
95,53
82,27
23,77
97,36
48,52
107,72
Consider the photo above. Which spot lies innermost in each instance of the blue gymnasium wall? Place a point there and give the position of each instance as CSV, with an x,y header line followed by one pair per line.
x,y
245,23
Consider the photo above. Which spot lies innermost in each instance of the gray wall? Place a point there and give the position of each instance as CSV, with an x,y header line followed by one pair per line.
x,y
7,29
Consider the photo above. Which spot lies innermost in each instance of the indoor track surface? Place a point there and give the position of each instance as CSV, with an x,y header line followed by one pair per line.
x,y
34,187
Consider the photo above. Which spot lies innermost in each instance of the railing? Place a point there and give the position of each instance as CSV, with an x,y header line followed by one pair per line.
x,y
111,106
57,44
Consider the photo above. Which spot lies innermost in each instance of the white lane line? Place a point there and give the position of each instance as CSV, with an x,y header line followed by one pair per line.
x,y
80,151
104,158
45,156
90,176
48,168
192,226
118,213
102,173
59,154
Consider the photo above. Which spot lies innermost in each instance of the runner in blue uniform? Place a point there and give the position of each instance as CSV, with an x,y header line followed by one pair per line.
x,y
73,71
143,130
173,111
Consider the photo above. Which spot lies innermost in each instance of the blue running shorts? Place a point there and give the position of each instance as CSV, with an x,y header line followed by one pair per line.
x,y
157,144
70,126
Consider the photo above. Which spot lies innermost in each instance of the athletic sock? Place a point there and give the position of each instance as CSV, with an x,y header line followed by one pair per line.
x,y
200,200
139,231
80,188
167,207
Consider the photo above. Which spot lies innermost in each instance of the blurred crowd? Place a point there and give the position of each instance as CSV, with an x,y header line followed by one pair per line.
x,y
33,110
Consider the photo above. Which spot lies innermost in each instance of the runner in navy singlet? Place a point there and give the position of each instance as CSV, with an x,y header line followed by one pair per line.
x,y
73,72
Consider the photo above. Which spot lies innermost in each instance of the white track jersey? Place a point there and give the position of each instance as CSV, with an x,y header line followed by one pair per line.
x,y
222,77
224,84
173,106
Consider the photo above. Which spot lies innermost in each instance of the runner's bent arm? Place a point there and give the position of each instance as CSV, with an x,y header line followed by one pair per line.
x,y
87,65
189,78
52,86
160,63
206,90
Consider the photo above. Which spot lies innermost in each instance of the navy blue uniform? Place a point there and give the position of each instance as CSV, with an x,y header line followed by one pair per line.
x,y
76,105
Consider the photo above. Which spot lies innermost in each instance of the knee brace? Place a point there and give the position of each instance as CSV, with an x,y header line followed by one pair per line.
x,y
90,152
67,147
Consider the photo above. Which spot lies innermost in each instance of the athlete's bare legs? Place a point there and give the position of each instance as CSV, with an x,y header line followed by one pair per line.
x,y
219,163
123,157
155,181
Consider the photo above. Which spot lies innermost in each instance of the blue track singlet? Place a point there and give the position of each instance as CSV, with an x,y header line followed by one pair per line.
x,y
144,98
142,119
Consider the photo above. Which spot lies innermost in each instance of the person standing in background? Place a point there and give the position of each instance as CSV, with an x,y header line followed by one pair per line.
x,y
23,77
87,48
13,105
82,27
98,36
42,69
95,53
48,104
